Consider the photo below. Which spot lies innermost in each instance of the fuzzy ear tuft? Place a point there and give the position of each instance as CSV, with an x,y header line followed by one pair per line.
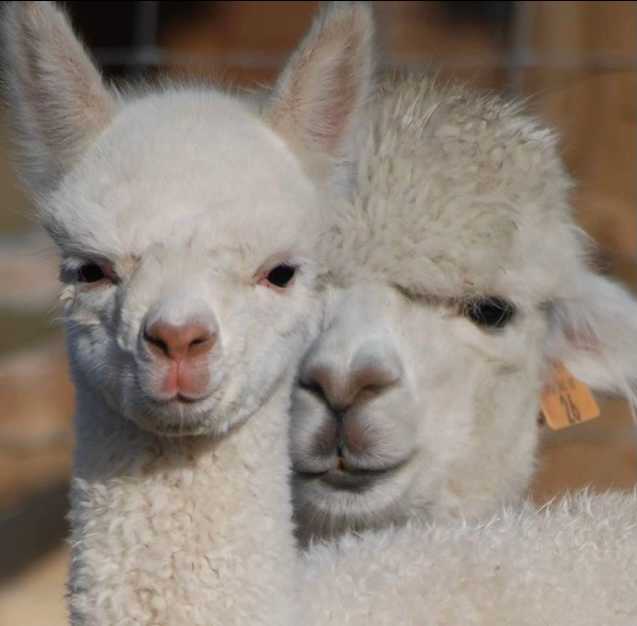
x,y
596,336
56,97
320,96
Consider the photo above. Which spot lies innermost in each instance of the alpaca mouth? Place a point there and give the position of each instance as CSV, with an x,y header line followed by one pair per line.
x,y
181,429
177,401
176,417
350,480
179,398
347,478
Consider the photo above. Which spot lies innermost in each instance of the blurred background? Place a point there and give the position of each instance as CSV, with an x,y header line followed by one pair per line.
x,y
574,62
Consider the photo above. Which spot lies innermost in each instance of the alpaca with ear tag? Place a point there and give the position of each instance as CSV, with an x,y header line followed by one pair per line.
x,y
460,280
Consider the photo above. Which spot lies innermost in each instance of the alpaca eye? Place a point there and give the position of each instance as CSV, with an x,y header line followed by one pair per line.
x,y
281,275
490,312
90,273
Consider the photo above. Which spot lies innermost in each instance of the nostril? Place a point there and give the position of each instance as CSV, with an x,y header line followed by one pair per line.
x,y
156,344
372,381
311,386
179,342
201,343
329,388
372,390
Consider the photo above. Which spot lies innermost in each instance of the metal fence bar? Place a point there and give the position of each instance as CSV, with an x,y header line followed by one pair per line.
x,y
153,56
145,33
521,53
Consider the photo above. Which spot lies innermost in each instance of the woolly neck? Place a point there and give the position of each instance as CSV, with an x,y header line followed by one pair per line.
x,y
171,531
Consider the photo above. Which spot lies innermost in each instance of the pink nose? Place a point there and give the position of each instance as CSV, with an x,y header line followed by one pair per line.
x,y
178,343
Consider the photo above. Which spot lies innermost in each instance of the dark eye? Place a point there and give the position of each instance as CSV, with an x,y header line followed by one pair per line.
x,y
90,273
490,312
281,275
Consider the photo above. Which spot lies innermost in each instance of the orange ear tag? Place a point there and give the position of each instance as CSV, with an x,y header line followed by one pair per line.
x,y
567,401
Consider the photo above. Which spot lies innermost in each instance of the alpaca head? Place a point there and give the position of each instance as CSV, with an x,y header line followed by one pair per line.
x,y
185,217
463,278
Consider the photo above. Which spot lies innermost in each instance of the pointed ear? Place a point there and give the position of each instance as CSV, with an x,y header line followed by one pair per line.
x,y
56,97
596,336
319,98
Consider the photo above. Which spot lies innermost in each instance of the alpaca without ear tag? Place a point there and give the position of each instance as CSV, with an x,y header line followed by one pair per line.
x,y
567,401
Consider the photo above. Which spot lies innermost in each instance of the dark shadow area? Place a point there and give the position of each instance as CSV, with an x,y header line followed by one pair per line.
x,y
38,526
105,25
496,17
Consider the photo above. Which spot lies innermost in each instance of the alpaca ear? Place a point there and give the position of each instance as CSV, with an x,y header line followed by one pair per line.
x,y
319,98
596,336
57,100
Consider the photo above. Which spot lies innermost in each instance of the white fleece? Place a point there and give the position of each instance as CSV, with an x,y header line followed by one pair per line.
x,y
572,563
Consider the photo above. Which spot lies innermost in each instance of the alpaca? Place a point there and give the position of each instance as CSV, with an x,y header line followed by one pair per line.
x,y
187,221
461,278
181,508
572,563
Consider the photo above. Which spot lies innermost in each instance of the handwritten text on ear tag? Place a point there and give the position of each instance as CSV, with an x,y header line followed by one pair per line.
x,y
567,401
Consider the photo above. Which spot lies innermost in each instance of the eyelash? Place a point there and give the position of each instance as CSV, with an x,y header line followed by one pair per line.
x,y
88,273
92,273
280,277
490,312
